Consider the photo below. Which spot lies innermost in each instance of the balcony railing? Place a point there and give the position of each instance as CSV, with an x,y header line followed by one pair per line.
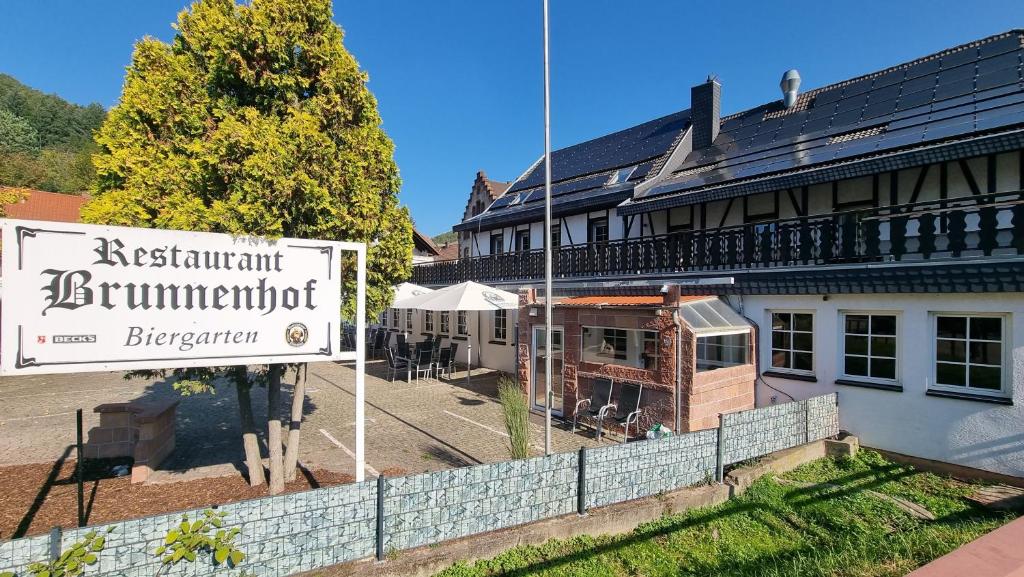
x,y
976,226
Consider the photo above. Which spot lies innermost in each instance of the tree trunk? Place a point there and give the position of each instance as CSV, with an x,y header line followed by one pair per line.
x,y
274,429
291,455
253,459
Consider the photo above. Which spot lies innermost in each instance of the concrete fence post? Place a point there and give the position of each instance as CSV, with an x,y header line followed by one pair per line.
x,y
380,517
55,537
720,453
581,482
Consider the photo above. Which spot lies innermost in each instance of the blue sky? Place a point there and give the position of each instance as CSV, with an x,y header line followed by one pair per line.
x,y
459,81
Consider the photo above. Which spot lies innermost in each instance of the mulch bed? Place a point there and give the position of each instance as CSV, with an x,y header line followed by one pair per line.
x,y
35,498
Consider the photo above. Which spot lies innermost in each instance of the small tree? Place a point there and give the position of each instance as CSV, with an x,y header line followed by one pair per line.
x,y
255,120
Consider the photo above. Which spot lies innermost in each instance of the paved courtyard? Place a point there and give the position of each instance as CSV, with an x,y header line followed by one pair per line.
x,y
411,427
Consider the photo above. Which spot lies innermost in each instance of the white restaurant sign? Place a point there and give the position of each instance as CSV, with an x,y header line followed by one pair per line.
x,y
80,298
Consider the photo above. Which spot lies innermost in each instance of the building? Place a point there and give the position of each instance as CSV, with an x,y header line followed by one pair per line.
x,y
51,206
484,192
872,230
423,248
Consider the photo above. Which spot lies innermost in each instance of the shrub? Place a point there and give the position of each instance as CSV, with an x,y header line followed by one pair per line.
x,y
517,417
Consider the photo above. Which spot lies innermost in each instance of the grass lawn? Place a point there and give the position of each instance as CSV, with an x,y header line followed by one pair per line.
x,y
776,529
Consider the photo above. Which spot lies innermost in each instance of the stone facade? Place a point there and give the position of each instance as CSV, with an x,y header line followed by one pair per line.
x,y
757,432
434,507
635,470
299,532
142,431
279,536
703,395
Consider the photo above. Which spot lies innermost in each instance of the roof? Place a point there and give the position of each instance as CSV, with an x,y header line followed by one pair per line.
x,y
626,300
892,118
612,300
424,243
968,90
49,206
448,251
708,316
602,170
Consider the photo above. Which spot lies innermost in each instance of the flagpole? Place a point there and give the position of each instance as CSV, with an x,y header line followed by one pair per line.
x,y
548,337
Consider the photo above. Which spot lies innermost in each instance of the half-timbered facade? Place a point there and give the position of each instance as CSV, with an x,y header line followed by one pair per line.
x,y
872,229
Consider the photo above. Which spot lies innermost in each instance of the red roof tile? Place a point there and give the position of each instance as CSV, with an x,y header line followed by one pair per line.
x,y
52,206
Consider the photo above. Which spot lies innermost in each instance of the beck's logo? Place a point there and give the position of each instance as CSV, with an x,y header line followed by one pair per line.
x,y
73,339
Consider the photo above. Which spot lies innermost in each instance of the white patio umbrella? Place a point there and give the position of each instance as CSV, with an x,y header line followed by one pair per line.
x,y
406,291
467,296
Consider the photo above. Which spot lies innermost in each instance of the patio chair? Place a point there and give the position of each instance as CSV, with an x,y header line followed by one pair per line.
x,y
378,343
394,365
403,349
435,351
454,348
597,406
628,405
422,364
387,339
400,339
443,365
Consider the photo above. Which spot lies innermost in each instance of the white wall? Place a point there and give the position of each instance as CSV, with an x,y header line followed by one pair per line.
x,y
965,432
485,353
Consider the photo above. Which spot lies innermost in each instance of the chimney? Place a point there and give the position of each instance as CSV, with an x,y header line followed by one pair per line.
x,y
790,86
705,112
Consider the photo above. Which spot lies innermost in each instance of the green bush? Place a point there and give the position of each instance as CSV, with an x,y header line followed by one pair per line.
x,y
517,417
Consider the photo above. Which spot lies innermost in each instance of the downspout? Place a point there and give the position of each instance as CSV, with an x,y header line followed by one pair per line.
x,y
677,321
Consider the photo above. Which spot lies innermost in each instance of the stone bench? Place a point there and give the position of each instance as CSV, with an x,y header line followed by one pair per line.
x,y
142,430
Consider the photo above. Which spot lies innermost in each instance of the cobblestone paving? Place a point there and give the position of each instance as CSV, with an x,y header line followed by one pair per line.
x,y
412,427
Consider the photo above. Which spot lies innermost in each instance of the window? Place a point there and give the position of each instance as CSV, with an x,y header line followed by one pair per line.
x,y
597,230
719,351
408,319
628,347
869,346
556,236
970,353
394,318
523,239
500,325
428,321
460,322
465,252
444,322
496,243
793,341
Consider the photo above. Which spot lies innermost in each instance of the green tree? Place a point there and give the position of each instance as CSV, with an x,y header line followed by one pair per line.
x,y
16,134
255,120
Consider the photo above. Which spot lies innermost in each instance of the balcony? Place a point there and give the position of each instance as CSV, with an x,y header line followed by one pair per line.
x,y
989,225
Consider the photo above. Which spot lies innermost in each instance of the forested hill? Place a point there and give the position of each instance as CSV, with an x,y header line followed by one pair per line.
x,y
45,141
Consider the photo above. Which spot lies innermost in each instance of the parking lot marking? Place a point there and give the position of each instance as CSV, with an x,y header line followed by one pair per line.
x,y
471,421
44,416
337,443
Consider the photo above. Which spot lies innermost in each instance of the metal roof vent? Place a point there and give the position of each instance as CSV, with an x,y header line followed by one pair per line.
x,y
790,85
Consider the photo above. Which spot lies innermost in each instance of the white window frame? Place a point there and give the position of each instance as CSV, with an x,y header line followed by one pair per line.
x,y
445,322
461,323
622,362
408,319
504,325
428,321
842,346
696,347
814,352
1006,389
394,318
